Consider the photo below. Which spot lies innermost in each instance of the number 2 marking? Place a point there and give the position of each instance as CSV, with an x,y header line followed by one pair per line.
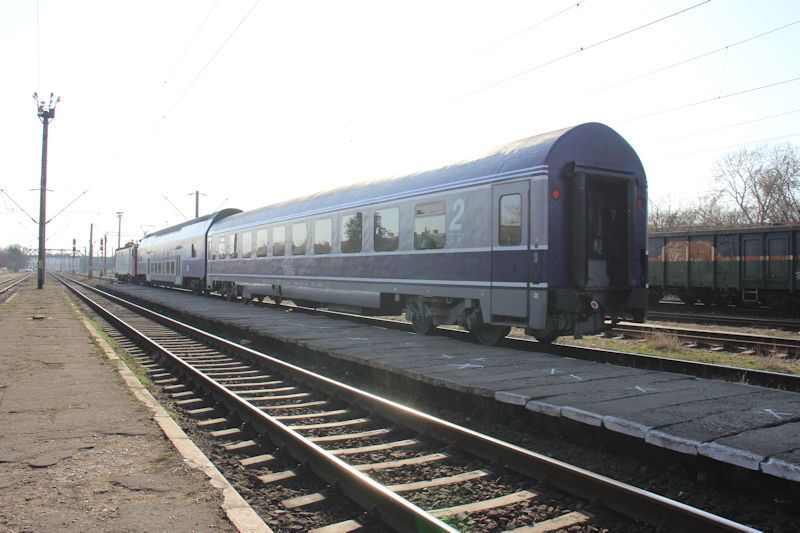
x,y
458,209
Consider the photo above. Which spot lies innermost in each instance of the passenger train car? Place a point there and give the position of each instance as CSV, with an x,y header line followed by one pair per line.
x,y
547,234
177,255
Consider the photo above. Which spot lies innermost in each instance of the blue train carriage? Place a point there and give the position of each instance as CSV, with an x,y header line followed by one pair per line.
x,y
176,256
547,234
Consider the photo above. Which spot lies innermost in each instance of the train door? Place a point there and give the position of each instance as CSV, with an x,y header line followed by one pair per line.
x,y
778,261
606,233
178,271
510,252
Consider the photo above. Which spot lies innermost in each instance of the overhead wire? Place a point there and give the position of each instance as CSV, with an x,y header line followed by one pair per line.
x,y
683,62
191,41
213,56
720,128
707,100
529,28
725,147
575,52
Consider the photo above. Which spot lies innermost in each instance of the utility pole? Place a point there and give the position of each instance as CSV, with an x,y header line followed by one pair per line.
x,y
46,113
119,230
74,242
196,203
89,268
104,247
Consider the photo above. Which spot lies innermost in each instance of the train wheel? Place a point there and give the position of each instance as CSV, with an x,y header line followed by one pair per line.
x,y
489,335
419,318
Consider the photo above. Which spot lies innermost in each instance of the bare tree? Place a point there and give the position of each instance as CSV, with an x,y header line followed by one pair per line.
x,y
763,184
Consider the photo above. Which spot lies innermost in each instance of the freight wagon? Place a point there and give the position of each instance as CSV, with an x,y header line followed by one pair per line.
x,y
742,266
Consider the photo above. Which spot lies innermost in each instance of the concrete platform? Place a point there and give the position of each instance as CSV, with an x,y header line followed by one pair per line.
x,y
747,426
77,451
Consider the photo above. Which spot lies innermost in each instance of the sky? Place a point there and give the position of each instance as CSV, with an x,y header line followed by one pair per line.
x,y
252,102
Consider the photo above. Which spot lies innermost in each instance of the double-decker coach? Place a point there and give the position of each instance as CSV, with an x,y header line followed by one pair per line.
x,y
176,255
547,233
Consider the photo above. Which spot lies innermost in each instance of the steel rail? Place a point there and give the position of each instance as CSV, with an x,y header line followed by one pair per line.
x,y
14,283
625,499
732,338
728,320
375,498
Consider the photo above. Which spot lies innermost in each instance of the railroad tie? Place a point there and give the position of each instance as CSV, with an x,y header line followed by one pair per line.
x,y
484,505
560,522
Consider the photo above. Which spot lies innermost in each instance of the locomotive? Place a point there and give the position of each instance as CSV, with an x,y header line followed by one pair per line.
x,y
547,233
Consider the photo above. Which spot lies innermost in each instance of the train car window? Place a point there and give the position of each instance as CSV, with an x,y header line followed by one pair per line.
x,y
299,238
172,267
261,243
247,244
234,246
387,229
279,240
351,233
510,220
210,250
194,250
221,253
322,236
429,226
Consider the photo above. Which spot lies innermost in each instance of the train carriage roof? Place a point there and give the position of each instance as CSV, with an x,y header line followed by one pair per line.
x,y
588,143
191,229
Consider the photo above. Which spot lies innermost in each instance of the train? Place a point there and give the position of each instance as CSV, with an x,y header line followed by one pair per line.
x,y
547,233
752,266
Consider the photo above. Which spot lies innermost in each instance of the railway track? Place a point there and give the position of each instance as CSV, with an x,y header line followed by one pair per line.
x,y
8,283
406,470
758,344
725,320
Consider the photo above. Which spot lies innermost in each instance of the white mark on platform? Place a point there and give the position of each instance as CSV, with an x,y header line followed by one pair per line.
x,y
576,377
777,414
357,338
467,365
446,356
478,359
553,371
641,389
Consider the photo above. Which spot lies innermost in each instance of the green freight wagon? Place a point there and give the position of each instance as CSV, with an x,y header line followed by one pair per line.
x,y
738,266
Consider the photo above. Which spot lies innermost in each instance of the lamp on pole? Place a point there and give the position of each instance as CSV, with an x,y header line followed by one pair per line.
x,y
119,229
46,113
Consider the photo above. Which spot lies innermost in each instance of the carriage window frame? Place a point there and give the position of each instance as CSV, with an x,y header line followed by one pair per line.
x,y
222,243
379,242
194,249
506,238
322,246
279,244
298,247
351,246
426,216
262,244
234,246
247,244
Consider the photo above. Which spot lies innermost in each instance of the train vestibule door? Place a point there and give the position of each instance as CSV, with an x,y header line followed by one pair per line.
x,y
178,271
510,252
